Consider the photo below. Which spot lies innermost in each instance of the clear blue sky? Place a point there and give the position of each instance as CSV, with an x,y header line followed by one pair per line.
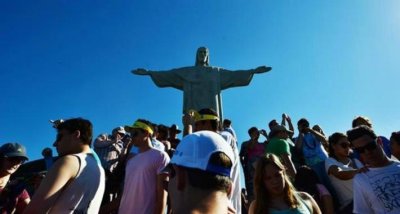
x,y
332,60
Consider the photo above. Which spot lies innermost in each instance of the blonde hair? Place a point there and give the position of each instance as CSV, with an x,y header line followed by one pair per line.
x,y
262,197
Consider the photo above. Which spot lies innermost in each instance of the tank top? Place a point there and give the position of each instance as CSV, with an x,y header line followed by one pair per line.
x,y
85,192
301,209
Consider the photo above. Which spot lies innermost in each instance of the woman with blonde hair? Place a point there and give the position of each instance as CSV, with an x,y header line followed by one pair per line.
x,y
274,193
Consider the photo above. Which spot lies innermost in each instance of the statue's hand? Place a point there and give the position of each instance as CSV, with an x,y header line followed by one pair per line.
x,y
262,69
140,71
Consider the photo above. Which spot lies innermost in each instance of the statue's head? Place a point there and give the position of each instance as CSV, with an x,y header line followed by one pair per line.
x,y
202,57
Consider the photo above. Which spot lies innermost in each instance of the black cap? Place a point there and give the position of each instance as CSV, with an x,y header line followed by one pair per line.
x,y
13,150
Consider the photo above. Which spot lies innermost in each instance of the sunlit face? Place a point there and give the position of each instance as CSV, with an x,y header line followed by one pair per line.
x,y
202,55
370,152
395,146
63,143
274,180
11,164
342,147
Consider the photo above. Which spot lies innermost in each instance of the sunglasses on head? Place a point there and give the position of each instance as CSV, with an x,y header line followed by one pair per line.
x,y
369,146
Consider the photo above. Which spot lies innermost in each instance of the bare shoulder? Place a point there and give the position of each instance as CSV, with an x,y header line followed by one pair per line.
x,y
309,200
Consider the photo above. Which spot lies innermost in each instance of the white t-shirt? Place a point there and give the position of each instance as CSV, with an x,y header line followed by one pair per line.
x,y
344,188
139,194
378,190
236,193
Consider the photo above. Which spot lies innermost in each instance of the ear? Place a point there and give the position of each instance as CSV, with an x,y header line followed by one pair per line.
x,y
181,176
229,190
77,134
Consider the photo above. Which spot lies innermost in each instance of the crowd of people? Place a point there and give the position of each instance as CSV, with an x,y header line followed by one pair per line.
x,y
146,168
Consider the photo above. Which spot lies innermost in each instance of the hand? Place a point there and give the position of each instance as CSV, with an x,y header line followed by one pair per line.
x,y
363,169
263,132
188,118
140,71
262,69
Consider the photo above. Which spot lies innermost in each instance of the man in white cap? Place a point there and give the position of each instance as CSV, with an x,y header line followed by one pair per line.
x,y
144,190
200,174
207,119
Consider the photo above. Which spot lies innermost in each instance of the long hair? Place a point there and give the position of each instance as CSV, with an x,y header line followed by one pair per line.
x,y
333,140
262,196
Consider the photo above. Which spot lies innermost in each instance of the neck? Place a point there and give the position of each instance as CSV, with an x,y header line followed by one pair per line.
x,y
145,146
4,180
343,159
382,163
206,202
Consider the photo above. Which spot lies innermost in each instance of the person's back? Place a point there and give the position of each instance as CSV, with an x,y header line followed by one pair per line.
x,y
75,197
76,181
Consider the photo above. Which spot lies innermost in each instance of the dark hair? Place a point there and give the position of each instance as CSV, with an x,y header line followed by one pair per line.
x,y
334,139
252,129
272,123
303,121
357,120
360,131
306,180
210,111
227,122
84,126
211,181
395,136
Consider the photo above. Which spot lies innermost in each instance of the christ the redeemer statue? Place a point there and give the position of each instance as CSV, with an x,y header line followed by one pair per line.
x,y
202,84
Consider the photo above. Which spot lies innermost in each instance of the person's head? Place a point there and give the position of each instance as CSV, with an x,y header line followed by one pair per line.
x,y
12,155
200,166
271,181
395,144
202,57
174,130
118,132
141,132
72,135
47,152
163,132
339,145
206,119
280,132
317,128
364,142
226,123
254,133
306,180
272,123
302,125
361,120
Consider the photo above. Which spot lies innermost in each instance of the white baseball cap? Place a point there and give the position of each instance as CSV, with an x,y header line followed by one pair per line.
x,y
195,150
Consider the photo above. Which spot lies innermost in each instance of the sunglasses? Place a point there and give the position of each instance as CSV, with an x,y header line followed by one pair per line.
x,y
344,145
15,160
371,146
59,137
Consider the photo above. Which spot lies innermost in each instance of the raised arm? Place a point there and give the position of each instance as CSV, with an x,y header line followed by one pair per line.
x,y
170,78
237,78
